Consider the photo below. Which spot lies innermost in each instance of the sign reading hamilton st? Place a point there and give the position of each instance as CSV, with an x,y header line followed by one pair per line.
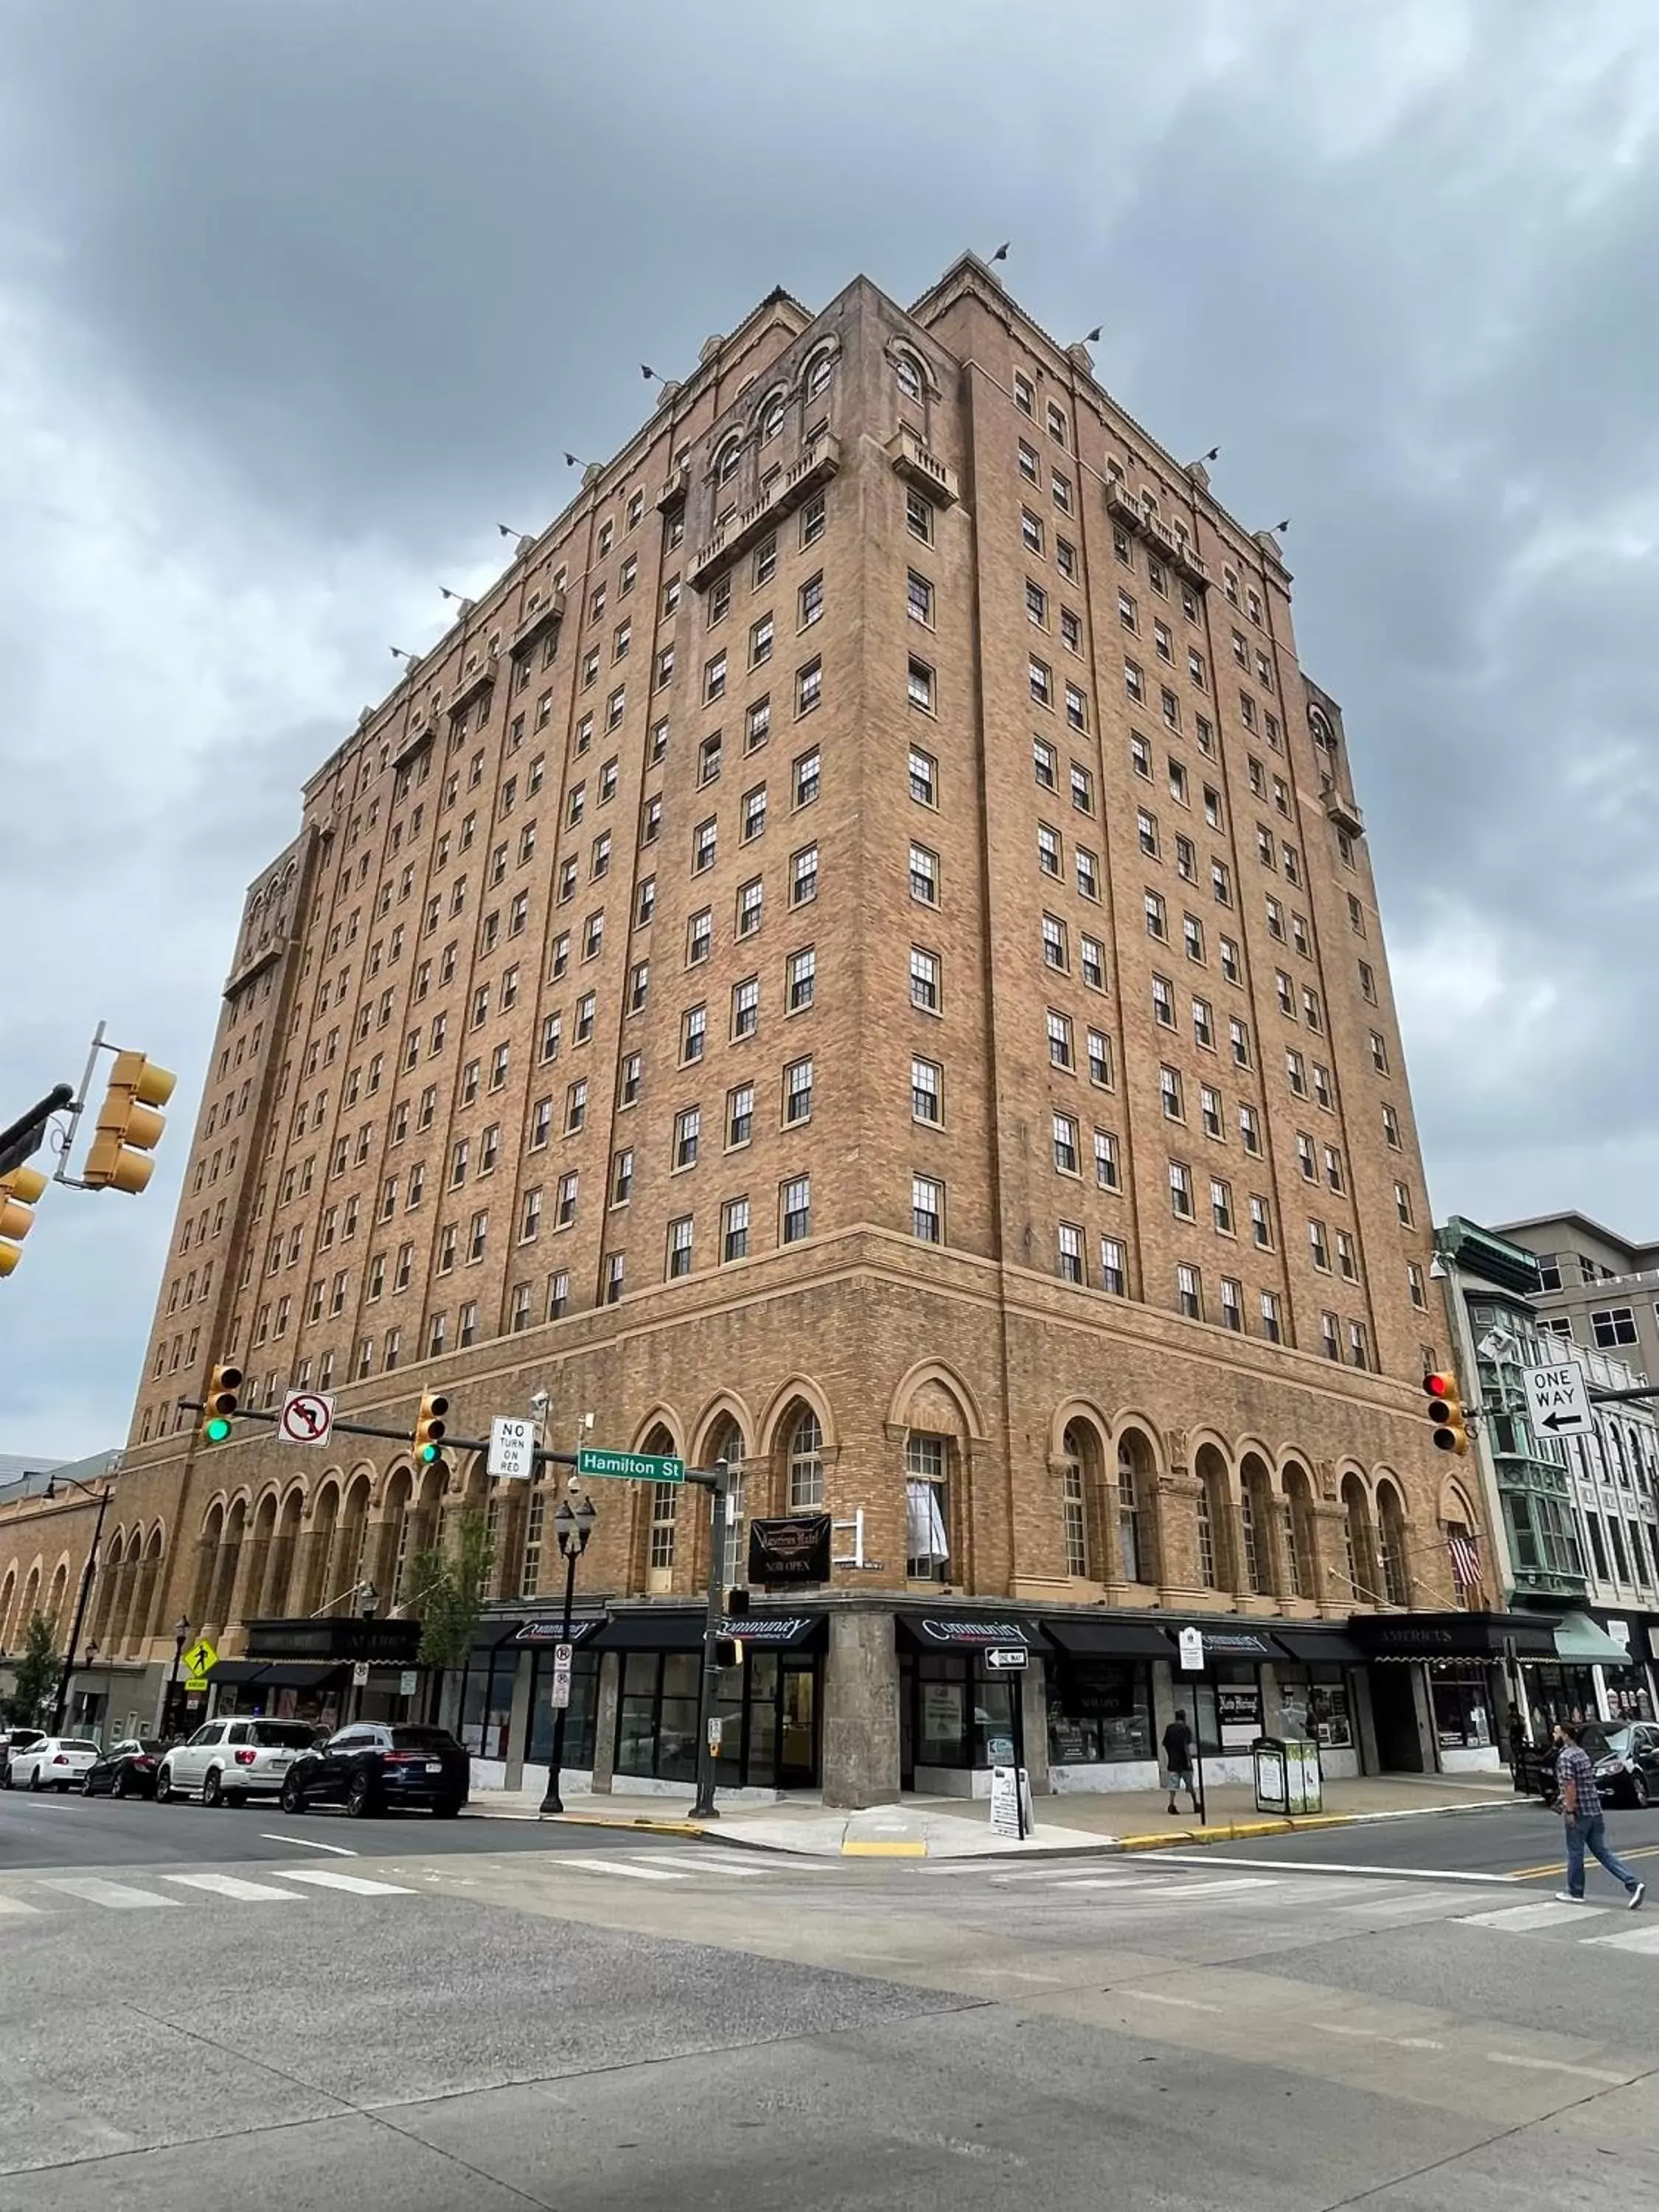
x,y
629,1466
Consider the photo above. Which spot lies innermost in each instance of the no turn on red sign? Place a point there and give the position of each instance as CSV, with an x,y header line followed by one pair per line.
x,y
307,1418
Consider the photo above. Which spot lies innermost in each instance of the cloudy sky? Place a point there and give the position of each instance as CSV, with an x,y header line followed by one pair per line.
x,y
299,298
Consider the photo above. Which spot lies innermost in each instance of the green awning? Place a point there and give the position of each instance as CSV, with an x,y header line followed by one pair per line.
x,y
1577,1636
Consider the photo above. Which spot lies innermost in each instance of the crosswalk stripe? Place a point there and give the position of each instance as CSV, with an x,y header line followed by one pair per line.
x,y
1517,1918
1633,1939
741,1869
232,1885
115,1894
1220,1888
16,1904
621,1866
1119,1882
359,1885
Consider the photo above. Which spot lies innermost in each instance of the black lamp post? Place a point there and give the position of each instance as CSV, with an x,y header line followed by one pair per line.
x,y
573,1525
170,1703
368,1598
68,1482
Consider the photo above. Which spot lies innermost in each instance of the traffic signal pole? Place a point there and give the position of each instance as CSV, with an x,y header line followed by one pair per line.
x,y
703,1807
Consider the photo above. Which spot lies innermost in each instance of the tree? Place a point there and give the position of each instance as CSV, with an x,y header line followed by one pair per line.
x,y
448,1584
36,1675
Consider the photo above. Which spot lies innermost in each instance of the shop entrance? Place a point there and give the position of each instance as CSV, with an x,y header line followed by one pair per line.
x,y
1394,1710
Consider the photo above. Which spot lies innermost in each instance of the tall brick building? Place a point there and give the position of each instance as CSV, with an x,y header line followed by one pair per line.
x,y
859,953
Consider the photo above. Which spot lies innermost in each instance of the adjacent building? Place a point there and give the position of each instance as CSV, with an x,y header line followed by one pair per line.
x,y
859,956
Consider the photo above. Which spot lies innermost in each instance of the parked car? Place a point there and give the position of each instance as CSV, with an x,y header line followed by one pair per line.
x,y
1625,1757
374,1766
14,1740
227,1761
127,1769
54,1762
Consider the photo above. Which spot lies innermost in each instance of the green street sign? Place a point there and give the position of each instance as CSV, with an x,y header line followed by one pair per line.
x,y
631,1467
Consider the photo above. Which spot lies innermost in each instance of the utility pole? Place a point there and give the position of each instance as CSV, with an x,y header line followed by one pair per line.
x,y
703,1807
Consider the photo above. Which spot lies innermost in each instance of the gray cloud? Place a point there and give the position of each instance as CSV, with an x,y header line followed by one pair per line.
x,y
296,303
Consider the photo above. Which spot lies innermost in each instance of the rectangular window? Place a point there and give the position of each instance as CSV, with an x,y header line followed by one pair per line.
x,y
1054,943
926,1209
796,1206
924,777
924,875
1068,1253
739,1115
804,876
809,687
923,980
1317,1247
1039,678
1107,1176
734,1228
688,1125
1221,1205
1261,1225
1049,849
797,1091
926,1092
1163,1012
1113,1276
1271,1327
806,777
1181,1191
679,1248
1189,1293
1100,1058
918,598
753,818
760,640
1233,1304
919,516
1091,961
801,980
1060,1040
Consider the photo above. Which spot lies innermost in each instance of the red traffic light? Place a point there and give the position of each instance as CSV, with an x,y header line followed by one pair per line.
x,y
1438,1386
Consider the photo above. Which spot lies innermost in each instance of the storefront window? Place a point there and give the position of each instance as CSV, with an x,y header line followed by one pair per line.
x,y
767,1708
580,1715
487,1702
1226,1703
1558,1692
1099,1709
1315,1705
961,1715
1462,1706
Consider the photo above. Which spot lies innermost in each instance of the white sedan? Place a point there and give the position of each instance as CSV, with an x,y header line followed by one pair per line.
x,y
57,1762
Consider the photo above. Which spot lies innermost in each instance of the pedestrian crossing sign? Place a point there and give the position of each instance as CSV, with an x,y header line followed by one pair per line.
x,y
199,1659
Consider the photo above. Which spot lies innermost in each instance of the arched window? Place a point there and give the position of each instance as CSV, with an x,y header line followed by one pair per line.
x,y
772,418
927,1506
806,1464
1136,1541
1214,1506
1082,1475
907,374
7,1600
1299,1563
1359,1540
1255,1507
1391,1519
728,460
819,370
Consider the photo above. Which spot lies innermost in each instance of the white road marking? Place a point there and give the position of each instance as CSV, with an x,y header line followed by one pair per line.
x,y
1157,1997
1375,2035
16,1904
359,1885
114,1894
230,1885
717,1862
1223,1889
338,1850
1555,2066
1117,1882
1633,1939
1331,1866
1516,1918
618,1866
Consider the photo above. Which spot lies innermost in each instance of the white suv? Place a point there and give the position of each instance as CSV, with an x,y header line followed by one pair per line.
x,y
229,1760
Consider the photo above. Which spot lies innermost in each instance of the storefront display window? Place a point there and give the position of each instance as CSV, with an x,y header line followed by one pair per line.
x,y
579,1716
767,1707
1462,1706
957,1714
487,1702
1315,1705
1562,1693
1226,1705
1099,1709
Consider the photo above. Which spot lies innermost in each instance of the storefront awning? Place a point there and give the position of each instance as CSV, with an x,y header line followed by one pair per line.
x,y
490,1634
552,1632
231,1674
1577,1636
779,1631
651,1632
1319,1647
684,1632
1413,1635
297,1675
966,1632
1221,1642
1083,1638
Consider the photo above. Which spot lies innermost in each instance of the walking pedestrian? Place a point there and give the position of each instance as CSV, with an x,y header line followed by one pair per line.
x,y
1583,1824
1178,1758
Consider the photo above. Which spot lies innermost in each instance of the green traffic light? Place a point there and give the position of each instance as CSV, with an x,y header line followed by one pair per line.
x,y
217,1430
429,1452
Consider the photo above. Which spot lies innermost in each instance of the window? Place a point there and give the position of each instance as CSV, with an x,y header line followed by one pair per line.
x,y
1049,849
1233,1304
1029,465
1071,631
1391,1137
1304,1158
1329,1340
1295,1073
1317,1247
1611,1326
918,598
924,875
926,1209
1037,605
1271,1327
1379,1052
801,976
760,641
1181,1191
753,820
1203,1025
804,876
1091,961
575,1108
1045,763
1414,1284
1107,1175
1312,1012
919,516
734,1228
806,777
1060,1041
1186,860
1209,1110
1157,917
708,759
1238,1037
1189,1293
1039,678
1066,562
688,1128
679,1248
1147,832
1077,707
622,1177
1068,1253
1344,1258
1262,1226
584,1006
751,907
924,777
1163,1012
812,516
796,1205
1169,1094
1054,943
1230,961
1192,935
809,687
1322,1088
797,1091
704,845
923,980
926,1092
1082,789
1221,885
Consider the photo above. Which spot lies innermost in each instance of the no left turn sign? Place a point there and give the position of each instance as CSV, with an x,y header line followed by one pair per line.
x,y
307,1418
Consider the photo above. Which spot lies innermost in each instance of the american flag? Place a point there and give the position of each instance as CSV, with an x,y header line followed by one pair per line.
x,y
1466,1560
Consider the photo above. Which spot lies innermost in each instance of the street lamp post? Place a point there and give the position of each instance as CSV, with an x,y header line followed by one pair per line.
x,y
170,1703
573,1525
368,1598
103,1496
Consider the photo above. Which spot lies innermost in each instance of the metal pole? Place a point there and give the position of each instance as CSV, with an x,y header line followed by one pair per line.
x,y
86,1573
552,1802
703,1807
1017,1685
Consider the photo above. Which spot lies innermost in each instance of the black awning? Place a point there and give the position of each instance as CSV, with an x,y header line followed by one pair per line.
x,y
966,1632
231,1674
298,1675
1321,1647
779,1631
1084,1638
543,1632
490,1634
1411,1636
647,1630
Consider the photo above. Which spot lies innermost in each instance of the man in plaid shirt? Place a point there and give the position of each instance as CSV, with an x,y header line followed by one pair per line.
x,y
1581,1813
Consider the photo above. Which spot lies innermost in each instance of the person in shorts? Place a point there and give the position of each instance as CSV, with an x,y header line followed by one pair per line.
x,y
1178,1758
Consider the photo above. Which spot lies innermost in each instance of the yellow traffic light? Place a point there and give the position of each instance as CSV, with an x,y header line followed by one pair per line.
x,y
1446,1412
219,1403
19,1192
429,1427
129,1128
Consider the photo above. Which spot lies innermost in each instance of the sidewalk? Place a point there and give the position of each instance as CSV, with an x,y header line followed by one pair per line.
x,y
957,1827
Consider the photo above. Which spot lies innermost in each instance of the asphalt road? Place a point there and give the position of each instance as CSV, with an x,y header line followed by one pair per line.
x,y
1523,1839
49,1831
623,2024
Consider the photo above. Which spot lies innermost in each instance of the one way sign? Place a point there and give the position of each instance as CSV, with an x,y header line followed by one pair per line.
x,y
1557,1399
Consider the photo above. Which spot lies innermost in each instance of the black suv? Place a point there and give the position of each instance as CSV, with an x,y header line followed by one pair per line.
x,y
374,1766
